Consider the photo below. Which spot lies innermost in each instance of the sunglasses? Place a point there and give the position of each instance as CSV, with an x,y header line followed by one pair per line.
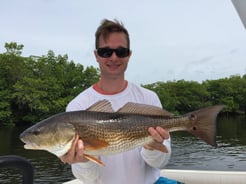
x,y
107,52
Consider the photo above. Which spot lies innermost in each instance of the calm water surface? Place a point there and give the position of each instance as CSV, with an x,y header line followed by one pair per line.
x,y
187,153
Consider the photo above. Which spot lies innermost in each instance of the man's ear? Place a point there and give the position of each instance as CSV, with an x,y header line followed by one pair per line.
x,y
130,53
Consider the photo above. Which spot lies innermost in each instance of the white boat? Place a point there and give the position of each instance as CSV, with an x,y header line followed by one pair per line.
x,y
198,177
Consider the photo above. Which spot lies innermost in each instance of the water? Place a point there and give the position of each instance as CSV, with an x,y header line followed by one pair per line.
x,y
187,153
190,153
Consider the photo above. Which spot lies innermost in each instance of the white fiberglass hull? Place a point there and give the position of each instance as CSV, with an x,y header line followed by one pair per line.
x,y
198,176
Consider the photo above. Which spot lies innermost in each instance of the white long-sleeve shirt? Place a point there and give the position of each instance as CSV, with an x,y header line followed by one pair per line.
x,y
138,166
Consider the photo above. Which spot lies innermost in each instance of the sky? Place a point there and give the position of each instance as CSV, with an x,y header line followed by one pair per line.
x,y
193,40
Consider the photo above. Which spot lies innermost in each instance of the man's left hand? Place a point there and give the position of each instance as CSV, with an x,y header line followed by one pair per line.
x,y
159,135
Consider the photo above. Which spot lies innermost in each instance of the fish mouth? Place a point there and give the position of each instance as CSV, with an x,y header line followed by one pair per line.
x,y
27,143
30,145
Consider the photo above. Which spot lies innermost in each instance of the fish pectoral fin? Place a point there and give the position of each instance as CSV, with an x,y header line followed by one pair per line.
x,y
157,146
94,144
162,148
94,159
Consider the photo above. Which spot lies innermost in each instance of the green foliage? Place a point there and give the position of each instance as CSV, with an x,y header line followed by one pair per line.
x,y
13,49
35,87
5,108
185,96
181,96
229,91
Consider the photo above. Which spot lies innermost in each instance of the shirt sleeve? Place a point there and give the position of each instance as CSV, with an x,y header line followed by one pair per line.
x,y
87,172
155,158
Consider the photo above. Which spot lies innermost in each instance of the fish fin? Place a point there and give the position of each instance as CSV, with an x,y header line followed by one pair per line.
x,y
94,159
94,144
204,125
163,149
157,146
101,106
143,109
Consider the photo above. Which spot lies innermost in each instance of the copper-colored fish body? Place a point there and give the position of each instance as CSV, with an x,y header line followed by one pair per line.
x,y
107,132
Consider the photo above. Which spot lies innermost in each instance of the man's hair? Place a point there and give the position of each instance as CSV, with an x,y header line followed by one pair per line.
x,y
107,27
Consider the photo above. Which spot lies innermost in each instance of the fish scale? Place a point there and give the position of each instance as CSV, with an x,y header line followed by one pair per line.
x,y
118,132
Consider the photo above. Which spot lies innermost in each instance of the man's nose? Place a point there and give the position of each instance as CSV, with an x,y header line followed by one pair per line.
x,y
114,56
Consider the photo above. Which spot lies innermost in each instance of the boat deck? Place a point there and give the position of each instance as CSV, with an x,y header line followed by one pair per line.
x,y
198,176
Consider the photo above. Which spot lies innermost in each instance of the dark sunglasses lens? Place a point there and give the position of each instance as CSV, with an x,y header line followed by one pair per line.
x,y
122,52
104,52
107,52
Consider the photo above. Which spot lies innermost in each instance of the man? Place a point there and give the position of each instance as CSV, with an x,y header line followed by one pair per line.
x,y
138,166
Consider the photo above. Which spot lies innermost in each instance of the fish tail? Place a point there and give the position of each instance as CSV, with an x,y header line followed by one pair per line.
x,y
204,125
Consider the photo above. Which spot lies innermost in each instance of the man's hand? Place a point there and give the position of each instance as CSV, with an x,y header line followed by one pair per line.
x,y
76,153
159,135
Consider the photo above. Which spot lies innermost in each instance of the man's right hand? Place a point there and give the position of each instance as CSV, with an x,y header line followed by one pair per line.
x,y
76,153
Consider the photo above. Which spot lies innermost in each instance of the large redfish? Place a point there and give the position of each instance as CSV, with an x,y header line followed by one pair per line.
x,y
105,132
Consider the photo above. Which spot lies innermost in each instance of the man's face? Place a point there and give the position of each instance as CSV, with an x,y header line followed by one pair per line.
x,y
113,66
